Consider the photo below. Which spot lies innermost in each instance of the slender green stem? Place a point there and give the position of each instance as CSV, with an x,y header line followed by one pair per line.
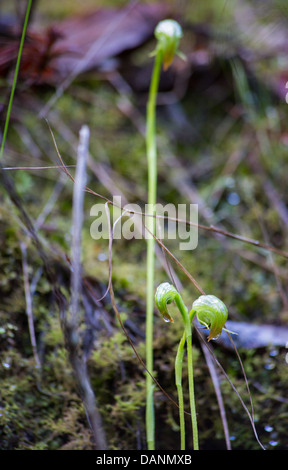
x,y
168,33
187,337
191,388
15,77
178,382
152,189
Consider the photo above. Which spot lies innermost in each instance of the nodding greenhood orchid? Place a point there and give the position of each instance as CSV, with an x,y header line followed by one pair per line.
x,y
168,34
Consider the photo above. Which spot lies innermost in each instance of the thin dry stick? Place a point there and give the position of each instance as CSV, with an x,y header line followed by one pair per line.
x,y
215,380
71,322
77,222
243,372
29,308
53,167
50,203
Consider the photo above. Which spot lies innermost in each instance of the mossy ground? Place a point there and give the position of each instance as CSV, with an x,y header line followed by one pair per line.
x,y
41,409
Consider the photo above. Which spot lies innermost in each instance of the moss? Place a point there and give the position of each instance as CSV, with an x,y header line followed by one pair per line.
x,y
41,409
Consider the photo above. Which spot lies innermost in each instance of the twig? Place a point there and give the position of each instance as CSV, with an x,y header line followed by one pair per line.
x,y
35,167
50,203
29,308
215,380
77,222
70,323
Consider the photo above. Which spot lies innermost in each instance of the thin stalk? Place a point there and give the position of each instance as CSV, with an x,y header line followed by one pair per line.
x,y
191,390
187,336
152,190
178,382
28,9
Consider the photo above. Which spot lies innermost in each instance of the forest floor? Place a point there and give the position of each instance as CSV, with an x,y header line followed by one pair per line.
x,y
222,139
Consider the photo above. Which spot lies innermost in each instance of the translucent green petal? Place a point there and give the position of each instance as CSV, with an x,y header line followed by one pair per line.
x,y
212,313
165,294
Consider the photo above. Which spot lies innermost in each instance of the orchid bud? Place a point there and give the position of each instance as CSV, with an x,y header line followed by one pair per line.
x,y
168,33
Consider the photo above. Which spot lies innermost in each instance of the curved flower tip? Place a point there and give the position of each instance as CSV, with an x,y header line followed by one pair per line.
x,y
168,33
165,294
212,313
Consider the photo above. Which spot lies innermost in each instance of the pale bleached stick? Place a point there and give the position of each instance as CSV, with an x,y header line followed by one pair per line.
x,y
71,324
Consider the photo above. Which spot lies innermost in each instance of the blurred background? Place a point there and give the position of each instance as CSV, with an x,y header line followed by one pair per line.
x,y
222,142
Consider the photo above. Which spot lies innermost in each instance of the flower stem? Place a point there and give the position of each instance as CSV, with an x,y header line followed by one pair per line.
x,y
152,190
187,337
168,33
178,382
191,389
